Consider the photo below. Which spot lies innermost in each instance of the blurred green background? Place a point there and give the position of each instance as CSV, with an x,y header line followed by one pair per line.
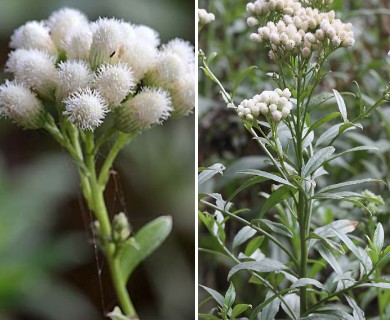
x,y
48,265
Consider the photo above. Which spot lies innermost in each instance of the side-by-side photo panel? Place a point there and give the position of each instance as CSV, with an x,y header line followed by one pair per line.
x,y
97,140
294,159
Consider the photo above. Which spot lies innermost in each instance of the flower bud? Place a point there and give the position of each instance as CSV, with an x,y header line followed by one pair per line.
x,y
85,109
120,228
20,105
149,107
78,44
183,96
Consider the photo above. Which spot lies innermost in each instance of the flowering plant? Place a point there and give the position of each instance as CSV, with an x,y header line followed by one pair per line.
x,y
92,85
287,242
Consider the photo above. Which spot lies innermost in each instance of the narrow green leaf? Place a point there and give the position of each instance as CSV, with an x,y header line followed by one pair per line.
x,y
341,105
239,309
267,175
317,160
139,247
265,265
241,78
283,193
382,285
254,244
215,294
346,184
243,235
361,148
230,296
342,226
271,309
250,182
276,227
322,121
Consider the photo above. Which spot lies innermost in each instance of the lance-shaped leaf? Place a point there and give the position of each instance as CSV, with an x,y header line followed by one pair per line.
x,y
243,235
265,265
303,282
358,313
317,160
347,184
279,195
276,227
139,247
267,175
341,105
208,173
215,294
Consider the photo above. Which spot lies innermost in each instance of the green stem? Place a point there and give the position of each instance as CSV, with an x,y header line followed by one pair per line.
x,y
98,206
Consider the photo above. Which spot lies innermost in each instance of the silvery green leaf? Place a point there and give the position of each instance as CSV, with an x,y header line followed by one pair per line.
x,y
216,295
265,265
292,300
230,296
271,309
358,313
277,196
329,257
317,160
361,148
243,235
346,184
268,175
210,172
240,308
276,227
341,105
328,135
379,237
308,138
382,285
342,226
303,282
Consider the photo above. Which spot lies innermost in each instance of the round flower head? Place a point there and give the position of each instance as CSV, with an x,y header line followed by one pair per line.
x,y
204,17
78,44
183,49
64,22
149,107
183,96
20,105
86,109
72,76
34,68
148,35
114,82
33,35
168,68
139,56
107,40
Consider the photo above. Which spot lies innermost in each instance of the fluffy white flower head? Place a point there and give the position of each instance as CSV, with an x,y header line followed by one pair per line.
x,y
34,68
147,35
114,82
183,49
19,104
183,96
78,44
204,17
149,107
86,109
107,40
33,35
64,22
139,56
72,76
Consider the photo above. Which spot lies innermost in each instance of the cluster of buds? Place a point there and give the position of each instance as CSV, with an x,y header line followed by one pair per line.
x,y
274,105
372,201
89,69
205,17
292,28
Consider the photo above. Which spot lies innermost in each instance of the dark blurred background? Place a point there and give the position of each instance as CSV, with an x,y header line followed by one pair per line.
x,y
48,265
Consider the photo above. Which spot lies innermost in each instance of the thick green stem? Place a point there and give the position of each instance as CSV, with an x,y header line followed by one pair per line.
x,y
98,206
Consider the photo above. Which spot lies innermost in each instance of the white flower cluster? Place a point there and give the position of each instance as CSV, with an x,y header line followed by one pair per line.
x,y
274,105
90,68
205,17
297,29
